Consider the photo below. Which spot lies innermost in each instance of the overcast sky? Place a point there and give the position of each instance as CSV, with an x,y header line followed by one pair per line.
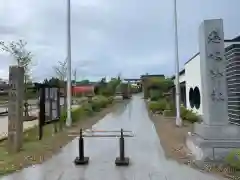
x,y
131,37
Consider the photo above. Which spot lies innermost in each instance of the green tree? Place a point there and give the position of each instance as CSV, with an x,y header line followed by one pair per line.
x,y
84,82
23,58
158,86
21,55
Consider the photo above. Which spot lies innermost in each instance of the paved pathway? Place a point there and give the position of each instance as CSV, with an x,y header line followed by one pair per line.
x,y
147,157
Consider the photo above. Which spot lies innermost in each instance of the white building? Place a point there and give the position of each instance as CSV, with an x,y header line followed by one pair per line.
x,y
190,80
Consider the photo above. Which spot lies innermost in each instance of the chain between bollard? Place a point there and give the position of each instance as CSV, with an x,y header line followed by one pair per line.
x,y
120,161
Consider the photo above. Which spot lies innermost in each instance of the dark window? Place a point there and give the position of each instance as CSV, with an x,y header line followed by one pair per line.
x,y
191,97
197,98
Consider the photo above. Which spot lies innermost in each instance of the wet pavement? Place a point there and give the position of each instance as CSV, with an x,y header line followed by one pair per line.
x,y
147,160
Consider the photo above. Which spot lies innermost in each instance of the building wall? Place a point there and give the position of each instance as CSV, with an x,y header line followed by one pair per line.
x,y
193,79
233,82
181,78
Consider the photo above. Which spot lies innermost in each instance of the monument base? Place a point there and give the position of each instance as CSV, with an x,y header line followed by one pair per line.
x,y
213,142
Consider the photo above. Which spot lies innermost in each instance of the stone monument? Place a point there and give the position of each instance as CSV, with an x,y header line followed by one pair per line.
x,y
214,137
15,108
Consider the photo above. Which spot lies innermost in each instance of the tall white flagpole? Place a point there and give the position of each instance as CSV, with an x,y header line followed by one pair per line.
x,y
178,117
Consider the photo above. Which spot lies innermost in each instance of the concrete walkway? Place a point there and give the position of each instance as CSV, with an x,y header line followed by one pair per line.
x,y
146,154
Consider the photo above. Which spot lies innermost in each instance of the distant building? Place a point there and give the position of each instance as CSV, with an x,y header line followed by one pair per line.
x,y
83,89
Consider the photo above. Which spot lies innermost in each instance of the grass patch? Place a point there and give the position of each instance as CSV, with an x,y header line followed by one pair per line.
x,y
35,151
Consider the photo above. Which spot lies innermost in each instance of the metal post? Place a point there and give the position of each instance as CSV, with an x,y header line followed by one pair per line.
x,y
121,144
122,160
81,146
81,159
42,116
178,117
69,94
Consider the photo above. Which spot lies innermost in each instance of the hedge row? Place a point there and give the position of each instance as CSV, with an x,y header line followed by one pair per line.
x,y
88,108
162,106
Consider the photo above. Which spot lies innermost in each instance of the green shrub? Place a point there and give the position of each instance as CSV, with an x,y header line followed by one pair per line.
x,y
96,106
106,91
87,107
233,159
183,112
188,115
155,106
155,95
162,104
192,117
110,100
99,102
76,114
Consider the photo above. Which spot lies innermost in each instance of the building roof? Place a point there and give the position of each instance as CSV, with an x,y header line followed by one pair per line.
x,y
180,73
152,75
236,39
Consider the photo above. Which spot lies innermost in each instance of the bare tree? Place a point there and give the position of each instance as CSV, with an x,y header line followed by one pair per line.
x,y
61,73
23,58
61,70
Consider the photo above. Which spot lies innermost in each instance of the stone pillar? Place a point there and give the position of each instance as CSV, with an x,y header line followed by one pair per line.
x,y
213,75
15,108
214,131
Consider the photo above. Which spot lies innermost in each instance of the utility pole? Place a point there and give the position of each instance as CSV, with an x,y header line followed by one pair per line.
x,y
69,81
178,117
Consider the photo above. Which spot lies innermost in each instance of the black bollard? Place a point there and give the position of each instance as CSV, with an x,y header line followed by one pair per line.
x,y
81,160
122,160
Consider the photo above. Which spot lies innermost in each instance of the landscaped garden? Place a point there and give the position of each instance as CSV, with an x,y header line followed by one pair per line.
x,y
160,101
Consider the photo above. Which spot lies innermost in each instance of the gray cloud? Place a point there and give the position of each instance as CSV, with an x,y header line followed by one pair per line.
x,y
110,36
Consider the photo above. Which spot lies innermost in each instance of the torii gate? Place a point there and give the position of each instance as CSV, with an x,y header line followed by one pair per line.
x,y
135,81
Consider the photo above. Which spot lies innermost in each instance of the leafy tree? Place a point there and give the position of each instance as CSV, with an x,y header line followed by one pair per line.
x,y
84,82
157,86
107,88
23,58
